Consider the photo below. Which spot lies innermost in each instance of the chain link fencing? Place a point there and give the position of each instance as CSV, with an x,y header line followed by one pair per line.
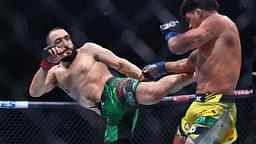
x,y
156,125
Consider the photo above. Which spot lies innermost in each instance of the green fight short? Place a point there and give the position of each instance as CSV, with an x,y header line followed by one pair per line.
x,y
119,108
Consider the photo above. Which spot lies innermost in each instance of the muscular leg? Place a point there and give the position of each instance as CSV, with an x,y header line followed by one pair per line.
x,y
152,92
178,140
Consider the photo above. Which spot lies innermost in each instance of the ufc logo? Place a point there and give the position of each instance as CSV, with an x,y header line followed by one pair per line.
x,y
198,98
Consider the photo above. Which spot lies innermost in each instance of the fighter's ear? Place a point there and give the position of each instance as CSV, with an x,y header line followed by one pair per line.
x,y
199,13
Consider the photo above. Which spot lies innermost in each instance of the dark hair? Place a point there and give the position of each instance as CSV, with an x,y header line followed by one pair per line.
x,y
190,5
48,34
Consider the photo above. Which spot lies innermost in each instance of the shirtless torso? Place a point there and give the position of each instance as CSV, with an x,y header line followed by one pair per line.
x,y
217,55
84,75
84,79
218,62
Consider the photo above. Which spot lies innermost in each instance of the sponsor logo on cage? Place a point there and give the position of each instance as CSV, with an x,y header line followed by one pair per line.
x,y
243,92
7,104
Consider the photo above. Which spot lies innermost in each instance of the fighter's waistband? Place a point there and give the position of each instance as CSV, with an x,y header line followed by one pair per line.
x,y
110,80
96,106
215,97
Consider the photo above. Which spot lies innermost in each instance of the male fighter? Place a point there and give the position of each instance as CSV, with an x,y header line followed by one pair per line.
x,y
84,75
216,60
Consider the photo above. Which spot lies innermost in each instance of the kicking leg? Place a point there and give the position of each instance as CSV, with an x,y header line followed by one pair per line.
x,y
148,93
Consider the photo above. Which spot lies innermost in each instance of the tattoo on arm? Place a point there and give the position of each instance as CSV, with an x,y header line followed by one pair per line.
x,y
178,64
200,40
186,44
193,58
207,36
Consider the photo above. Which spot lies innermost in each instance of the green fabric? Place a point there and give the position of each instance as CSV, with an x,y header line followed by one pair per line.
x,y
111,133
135,118
204,120
113,110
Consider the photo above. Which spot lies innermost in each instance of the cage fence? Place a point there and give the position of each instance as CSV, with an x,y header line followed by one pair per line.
x,y
157,124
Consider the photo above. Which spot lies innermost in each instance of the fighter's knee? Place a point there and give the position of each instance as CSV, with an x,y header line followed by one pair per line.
x,y
178,140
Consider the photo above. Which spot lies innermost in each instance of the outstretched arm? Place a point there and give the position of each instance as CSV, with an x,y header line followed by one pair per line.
x,y
120,64
182,80
186,65
157,70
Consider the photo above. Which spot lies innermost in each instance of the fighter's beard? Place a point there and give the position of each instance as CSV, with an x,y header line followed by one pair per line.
x,y
70,58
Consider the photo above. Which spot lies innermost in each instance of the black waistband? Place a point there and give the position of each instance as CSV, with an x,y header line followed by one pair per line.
x,y
110,80
96,106
227,98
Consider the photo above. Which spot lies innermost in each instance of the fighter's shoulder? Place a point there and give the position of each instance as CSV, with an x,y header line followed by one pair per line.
x,y
218,20
90,45
55,69
92,48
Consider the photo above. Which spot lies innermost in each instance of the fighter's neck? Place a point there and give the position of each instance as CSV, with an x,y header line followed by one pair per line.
x,y
65,64
210,13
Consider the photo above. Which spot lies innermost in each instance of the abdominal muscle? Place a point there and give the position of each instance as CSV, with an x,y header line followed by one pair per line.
x,y
216,68
218,80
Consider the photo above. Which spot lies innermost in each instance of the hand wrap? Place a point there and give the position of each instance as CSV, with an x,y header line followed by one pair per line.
x,y
154,71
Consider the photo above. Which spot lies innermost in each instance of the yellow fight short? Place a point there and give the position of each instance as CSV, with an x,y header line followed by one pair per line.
x,y
204,112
